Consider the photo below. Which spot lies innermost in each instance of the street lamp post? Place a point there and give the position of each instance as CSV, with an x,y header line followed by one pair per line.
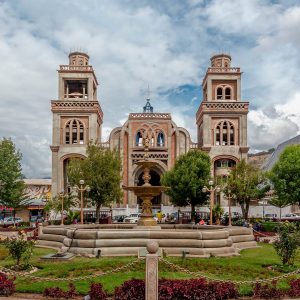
x,y
229,207
211,190
81,189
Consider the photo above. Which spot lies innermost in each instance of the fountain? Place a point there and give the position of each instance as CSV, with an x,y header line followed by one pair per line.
x,y
129,239
146,192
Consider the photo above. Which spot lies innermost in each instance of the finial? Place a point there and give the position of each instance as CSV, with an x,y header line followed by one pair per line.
x,y
148,108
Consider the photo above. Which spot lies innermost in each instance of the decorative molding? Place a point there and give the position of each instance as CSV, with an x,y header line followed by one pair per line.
x,y
244,149
213,105
223,70
164,116
138,156
222,107
76,68
76,106
54,148
206,148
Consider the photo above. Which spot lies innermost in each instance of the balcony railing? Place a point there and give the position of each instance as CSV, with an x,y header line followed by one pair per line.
x,y
75,68
223,70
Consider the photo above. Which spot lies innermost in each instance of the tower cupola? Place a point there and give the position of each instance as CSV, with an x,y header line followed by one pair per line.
x,y
221,60
78,59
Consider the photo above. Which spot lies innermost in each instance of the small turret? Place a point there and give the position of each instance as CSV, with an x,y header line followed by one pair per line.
x,y
221,61
78,59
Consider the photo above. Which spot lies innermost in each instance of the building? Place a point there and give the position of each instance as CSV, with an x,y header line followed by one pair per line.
x,y
77,118
222,117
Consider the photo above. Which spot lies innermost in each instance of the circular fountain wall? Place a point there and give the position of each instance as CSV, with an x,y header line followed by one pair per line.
x,y
127,240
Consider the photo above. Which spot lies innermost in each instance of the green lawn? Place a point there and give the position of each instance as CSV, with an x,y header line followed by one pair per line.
x,y
251,264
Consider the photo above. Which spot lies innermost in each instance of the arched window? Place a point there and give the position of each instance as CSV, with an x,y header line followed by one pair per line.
x,y
218,137
74,132
224,92
139,139
224,134
228,93
219,93
231,135
160,140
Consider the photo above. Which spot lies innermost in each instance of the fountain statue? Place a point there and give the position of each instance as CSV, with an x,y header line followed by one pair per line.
x,y
146,191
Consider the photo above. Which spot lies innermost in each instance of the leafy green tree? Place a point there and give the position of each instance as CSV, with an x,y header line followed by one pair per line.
x,y
245,183
12,186
187,178
285,175
101,171
55,204
280,203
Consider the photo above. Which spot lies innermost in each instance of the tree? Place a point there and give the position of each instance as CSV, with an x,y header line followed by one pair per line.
x,y
101,170
12,186
55,203
187,178
280,203
245,183
285,175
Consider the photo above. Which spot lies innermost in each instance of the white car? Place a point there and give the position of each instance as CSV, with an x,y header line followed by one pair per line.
x,y
133,218
10,221
291,216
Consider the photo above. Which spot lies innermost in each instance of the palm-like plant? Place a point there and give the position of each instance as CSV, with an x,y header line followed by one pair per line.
x,y
218,212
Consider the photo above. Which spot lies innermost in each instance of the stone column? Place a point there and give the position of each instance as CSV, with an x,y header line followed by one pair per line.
x,y
151,288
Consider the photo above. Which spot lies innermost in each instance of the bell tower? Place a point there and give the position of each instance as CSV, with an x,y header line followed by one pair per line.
x,y
222,116
77,116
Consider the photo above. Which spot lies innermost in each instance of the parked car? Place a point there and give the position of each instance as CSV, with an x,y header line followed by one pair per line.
x,y
36,219
10,221
291,216
133,218
119,218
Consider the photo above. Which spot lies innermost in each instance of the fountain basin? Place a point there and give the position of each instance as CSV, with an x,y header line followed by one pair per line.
x,y
120,240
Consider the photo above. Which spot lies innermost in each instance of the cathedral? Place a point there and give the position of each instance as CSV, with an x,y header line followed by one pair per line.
x,y
221,122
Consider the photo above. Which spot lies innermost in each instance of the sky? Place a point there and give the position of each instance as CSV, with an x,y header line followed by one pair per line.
x,y
166,44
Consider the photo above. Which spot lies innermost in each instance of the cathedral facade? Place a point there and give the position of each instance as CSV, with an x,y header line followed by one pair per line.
x,y
221,122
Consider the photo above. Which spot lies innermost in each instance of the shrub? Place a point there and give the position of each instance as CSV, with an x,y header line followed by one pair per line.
x,y
133,289
20,250
267,291
56,292
179,290
196,289
287,243
294,290
269,226
96,292
7,286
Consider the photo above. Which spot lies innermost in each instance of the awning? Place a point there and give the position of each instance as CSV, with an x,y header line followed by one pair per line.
x,y
35,207
5,208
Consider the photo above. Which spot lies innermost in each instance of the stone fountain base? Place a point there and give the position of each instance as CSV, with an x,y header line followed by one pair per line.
x,y
174,240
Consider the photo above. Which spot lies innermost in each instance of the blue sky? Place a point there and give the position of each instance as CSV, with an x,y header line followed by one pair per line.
x,y
166,44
